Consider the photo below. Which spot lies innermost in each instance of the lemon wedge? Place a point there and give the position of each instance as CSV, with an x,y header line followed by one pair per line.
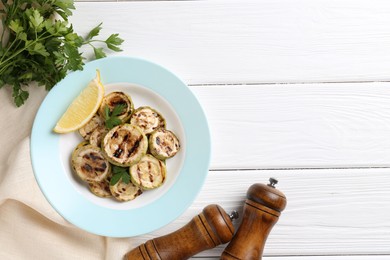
x,y
82,109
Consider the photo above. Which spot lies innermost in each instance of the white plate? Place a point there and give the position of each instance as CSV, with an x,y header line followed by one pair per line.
x,y
149,85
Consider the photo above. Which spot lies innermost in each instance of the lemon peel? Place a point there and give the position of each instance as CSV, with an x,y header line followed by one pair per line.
x,y
82,108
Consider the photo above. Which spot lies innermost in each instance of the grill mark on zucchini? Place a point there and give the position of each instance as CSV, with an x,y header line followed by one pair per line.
x,y
163,144
87,130
139,175
148,173
148,119
125,192
89,164
99,169
134,147
100,189
118,152
89,133
97,136
161,166
124,145
129,144
114,99
126,142
169,152
95,158
87,167
117,101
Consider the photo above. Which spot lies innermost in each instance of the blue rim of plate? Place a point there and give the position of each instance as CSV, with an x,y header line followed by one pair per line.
x,y
91,217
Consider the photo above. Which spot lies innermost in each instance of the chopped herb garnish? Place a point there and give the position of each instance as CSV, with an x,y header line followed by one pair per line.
x,y
111,118
120,173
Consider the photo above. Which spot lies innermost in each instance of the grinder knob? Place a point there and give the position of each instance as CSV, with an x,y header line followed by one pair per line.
x,y
207,230
262,209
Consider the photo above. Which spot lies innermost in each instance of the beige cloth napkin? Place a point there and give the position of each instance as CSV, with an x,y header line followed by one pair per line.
x,y
29,227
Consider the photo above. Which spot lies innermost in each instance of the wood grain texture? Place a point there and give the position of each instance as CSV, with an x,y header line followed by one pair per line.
x,y
329,212
261,211
283,126
339,257
298,125
332,214
206,230
251,41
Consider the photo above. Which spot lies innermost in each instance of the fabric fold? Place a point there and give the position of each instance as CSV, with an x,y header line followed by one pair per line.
x,y
19,183
31,229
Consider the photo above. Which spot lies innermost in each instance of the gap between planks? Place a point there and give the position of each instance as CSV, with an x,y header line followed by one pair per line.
x,y
285,83
298,168
337,212
110,1
251,41
304,126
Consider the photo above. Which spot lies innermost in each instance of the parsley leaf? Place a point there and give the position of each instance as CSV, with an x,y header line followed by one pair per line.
x,y
113,42
119,174
94,32
111,117
99,53
19,95
15,26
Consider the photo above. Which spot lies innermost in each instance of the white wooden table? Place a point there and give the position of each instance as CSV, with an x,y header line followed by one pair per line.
x,y
298,90
294,89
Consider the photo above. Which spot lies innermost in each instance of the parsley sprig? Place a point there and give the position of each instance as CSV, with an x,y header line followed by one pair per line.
x,y
35,47
111,118
119,173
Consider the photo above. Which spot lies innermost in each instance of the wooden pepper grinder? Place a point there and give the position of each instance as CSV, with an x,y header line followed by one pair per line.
x,y
207,230
262,209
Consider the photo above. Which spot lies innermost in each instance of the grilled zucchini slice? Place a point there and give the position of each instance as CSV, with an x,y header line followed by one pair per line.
x,y
148,119
80,145
114,99
95,122
125,192
163,144
100,189
124,145
97,136
89,163
148,173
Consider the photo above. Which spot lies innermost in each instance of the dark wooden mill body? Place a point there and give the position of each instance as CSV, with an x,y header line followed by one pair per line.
x,y
213,226
262,209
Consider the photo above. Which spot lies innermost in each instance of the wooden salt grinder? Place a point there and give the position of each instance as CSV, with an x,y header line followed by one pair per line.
x,y
261,211
207,230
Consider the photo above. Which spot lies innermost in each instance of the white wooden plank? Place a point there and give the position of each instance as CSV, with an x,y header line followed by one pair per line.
x,y
298,125
282,126
329,212
251,41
